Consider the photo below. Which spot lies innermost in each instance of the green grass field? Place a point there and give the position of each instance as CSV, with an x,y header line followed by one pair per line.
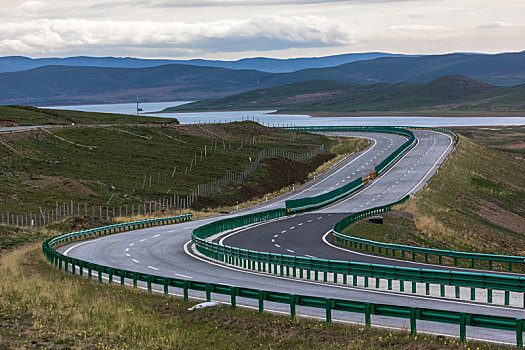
x,y
137,163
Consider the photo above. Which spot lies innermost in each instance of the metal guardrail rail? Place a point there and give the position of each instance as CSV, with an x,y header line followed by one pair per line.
x,y
80,267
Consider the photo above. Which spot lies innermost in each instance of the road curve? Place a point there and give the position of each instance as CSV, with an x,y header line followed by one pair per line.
x,y
166,250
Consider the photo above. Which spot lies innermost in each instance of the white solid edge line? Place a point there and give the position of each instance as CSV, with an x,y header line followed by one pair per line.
x,y
347,287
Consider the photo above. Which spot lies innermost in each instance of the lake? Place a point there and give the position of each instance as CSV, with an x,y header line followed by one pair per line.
x,y
263,117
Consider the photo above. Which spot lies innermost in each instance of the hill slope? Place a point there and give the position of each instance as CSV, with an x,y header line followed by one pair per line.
x,y
454,92
76,85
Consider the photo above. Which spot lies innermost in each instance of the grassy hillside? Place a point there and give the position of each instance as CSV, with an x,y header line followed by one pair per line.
x,y
476,203
82,85
130,164
15,115
449,94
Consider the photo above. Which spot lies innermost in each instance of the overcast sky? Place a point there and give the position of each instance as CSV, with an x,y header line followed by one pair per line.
x,y
232,29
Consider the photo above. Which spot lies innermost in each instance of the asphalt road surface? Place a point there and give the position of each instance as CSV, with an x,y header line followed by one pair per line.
x,y
167,250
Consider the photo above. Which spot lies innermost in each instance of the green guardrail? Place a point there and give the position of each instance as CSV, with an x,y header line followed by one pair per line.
x,y
296,266
314,202
277,263
114,275
401,251
310,203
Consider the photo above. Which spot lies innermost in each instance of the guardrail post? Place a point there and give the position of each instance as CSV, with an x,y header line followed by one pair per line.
x,y
510,266
368,311
260,296
402,286
110,277
413,324
134,280
427,288
507,297
462,327
519,333
292,305
328,308
457,292
414,287
185,289
233,295
440,259
166,283
122,278
472,293
208,291
489,296
150,277
389,284
442,290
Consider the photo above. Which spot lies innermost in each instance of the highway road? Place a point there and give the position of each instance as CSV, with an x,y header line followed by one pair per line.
x,y
167,250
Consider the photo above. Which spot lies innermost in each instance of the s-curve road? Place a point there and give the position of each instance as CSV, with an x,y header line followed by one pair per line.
x,y
167,250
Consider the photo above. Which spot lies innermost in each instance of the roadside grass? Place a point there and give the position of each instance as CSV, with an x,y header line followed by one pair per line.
x,y
41,307
476,203
510,139
136,164
32,116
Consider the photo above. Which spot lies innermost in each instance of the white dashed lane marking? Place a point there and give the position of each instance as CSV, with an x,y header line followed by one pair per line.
x,y
289,250
135,260
156,235
143,239
283,231
278,246
153,268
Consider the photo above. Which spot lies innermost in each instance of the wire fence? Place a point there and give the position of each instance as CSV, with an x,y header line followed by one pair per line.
x,y
151,207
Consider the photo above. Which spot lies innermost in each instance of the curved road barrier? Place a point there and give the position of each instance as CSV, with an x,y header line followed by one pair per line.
x,y
282,264
80,267
392,249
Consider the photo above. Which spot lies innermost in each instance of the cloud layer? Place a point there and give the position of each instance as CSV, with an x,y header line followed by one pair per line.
x,y
228,29
255,33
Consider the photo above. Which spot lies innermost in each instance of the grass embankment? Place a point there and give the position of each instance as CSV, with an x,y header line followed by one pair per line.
x,y
41,307
28,115
276,175
510,139
476,203
143,163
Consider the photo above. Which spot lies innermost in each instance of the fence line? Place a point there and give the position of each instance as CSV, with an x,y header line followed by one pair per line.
x,y
166,203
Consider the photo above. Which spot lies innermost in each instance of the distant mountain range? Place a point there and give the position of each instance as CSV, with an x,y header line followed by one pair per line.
x,y
53,85
450,94
264,64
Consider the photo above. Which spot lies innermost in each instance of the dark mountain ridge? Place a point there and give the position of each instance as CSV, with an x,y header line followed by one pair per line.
x,y
449,93
84,85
